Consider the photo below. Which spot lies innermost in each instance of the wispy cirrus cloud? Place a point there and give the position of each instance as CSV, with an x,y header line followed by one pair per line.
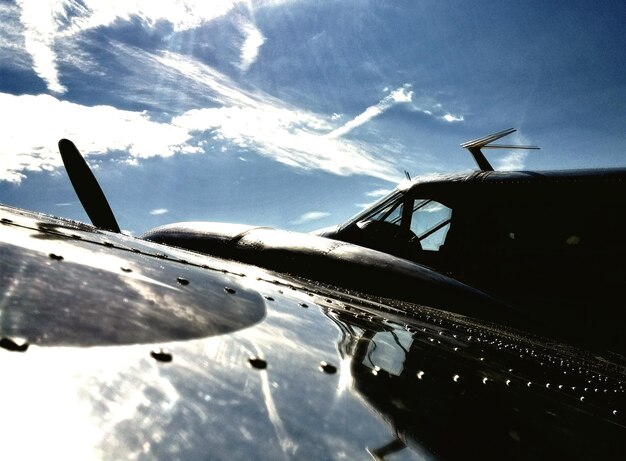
x,y
310,217
401,95
159,211
512,160
251,45
248,120
40,26
47,26
378,193
262,123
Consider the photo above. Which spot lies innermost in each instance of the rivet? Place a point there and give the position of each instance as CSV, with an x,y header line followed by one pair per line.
x,y
508,382
303,305
269,298
327,367
377,370
161,355
230,290
256,362
456,378
420,374
182,281
15,343
485,380
55,257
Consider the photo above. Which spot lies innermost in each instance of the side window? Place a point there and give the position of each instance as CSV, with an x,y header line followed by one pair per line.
x,y
430,222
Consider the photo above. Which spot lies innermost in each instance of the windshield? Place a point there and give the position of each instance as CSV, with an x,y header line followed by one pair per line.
x,y
294,114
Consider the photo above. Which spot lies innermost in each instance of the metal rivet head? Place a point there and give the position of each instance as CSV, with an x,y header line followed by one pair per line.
x,y
303,305
269,298
420,375
14,343
456,378
327,367
55,257
182,281
229,290
258,363
161,355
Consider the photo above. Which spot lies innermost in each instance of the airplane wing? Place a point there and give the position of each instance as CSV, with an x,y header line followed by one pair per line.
x,y
113,347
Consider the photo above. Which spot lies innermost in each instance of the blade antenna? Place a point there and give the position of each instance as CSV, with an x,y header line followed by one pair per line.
x,y
475,145
87,188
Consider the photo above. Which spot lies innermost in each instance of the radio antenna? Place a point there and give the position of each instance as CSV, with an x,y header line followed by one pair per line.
x,y
475,145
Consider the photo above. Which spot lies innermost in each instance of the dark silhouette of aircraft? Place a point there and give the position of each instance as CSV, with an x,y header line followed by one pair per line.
x,y
549,243
207,341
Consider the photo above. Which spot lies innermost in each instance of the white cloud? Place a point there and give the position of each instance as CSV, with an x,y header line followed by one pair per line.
x,y
39,19
251,45
288,136
511,161
311,216
273,128
250,120
12,47
378,193
398,96
33,125
47,23
159,211
452,118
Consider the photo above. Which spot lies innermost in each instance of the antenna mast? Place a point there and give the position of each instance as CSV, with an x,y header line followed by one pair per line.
x,y
475,145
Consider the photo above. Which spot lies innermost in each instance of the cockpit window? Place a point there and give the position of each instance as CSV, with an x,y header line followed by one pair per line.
x,y
388,210
430,222
391,214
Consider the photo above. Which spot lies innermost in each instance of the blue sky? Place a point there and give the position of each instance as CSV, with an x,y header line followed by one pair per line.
x,y
295,114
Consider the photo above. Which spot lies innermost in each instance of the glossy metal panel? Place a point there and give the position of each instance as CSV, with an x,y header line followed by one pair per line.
x,y
274,368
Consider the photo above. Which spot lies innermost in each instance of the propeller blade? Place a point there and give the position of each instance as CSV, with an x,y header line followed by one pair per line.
x,y
87,188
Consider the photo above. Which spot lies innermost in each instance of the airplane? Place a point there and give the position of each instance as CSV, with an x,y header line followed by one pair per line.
x,y
549,243
255,343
